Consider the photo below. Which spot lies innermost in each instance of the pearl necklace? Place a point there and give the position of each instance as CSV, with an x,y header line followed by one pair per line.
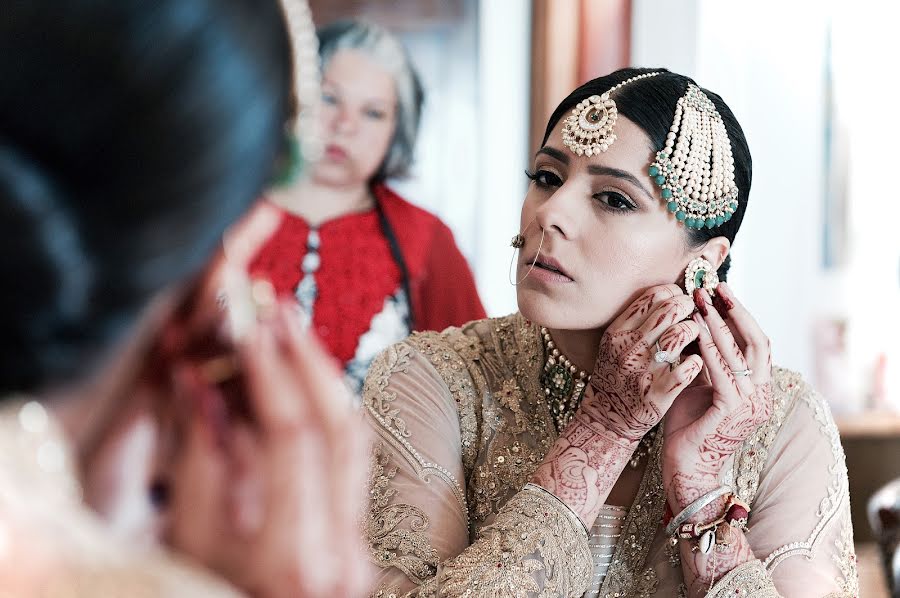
x,y
564,385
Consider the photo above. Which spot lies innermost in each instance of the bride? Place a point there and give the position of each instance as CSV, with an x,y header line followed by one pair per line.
x,y
626,433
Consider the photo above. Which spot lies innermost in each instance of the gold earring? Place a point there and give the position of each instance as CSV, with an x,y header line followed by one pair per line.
x,y
700,274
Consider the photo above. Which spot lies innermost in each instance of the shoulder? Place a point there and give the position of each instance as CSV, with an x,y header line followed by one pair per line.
x,y
447,355
436,371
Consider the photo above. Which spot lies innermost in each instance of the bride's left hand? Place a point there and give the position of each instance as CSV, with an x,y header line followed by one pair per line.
x,y
707,423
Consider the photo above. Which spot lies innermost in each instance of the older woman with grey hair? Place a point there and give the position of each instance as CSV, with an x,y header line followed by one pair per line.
x,y
366,266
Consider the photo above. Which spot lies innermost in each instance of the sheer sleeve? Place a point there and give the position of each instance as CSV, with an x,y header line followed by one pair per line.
x,y
800,526
417,525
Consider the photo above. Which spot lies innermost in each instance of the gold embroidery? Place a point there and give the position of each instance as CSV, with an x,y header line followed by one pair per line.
x,y
533,546
379,402
751,458
513,436
390,545
749,579
646,584
452,370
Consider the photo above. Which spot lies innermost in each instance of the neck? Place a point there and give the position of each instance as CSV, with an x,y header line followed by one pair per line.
x,y
318,203
579,346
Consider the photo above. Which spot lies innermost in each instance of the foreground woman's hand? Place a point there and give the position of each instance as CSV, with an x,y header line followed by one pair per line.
x,y
262,457
268,493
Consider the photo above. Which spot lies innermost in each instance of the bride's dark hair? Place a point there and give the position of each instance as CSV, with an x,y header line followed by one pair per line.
x,y
131,134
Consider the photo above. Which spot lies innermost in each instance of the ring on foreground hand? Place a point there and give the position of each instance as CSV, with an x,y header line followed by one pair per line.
x,y
741,372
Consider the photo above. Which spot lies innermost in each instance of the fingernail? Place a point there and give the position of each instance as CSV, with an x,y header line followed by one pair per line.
x,y
700,302
727,294
722,304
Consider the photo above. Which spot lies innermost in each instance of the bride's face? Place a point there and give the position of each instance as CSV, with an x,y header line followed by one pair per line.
x,y
607,233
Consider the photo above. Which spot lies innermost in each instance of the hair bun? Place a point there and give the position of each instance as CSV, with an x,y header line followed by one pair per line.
x,y
43,269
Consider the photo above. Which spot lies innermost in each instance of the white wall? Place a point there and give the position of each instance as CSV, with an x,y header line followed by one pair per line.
x,y
767,60
475,129
505,52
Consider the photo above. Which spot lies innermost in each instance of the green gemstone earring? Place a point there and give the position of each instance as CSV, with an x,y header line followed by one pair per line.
x,y
700,274
291,164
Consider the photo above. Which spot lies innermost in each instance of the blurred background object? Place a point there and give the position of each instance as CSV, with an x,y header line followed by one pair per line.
x,y
884,518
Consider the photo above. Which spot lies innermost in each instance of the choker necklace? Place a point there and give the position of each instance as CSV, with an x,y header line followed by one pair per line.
x,y
564,385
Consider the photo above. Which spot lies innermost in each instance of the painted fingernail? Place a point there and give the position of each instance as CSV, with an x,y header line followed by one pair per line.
x,y
700,302
727,294
722,304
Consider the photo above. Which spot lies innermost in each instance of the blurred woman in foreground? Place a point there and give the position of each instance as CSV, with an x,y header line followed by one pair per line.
x,y
137,132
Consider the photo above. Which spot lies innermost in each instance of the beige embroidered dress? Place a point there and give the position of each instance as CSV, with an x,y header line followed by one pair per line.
x,y
461,423
52,546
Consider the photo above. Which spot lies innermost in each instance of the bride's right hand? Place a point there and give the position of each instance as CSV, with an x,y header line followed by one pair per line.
x,y
629,391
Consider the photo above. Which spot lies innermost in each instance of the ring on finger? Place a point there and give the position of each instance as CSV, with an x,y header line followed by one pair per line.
x,y
739,373
663,357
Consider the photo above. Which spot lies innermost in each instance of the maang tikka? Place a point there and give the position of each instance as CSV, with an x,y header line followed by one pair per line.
x,y
695,169
588,130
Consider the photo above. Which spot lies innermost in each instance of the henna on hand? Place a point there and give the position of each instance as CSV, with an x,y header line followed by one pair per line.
x,y
699,441
583,466
585,462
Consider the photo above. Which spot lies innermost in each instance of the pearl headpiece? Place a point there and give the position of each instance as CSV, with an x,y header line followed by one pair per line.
x,y
695,169
588,130
307,76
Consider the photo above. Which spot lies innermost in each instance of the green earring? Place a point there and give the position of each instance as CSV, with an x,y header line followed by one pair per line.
x,y
700,274
291,165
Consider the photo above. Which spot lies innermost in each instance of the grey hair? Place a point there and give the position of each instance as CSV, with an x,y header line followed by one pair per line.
x,y
385,49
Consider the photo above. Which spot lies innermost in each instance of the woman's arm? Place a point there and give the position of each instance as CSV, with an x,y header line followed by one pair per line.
x,y
417,523
628,395
707,425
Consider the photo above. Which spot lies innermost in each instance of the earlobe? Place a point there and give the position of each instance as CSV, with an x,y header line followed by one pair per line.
x,y
715,251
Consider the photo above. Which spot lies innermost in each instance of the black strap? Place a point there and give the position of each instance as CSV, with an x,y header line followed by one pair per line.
x,y
388,231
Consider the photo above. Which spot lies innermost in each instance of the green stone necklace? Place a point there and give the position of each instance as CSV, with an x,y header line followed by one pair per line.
x,y
562,382
564,385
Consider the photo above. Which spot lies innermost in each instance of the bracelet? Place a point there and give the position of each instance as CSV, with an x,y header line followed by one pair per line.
x,y
719,532
572,513
695,507
736,514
